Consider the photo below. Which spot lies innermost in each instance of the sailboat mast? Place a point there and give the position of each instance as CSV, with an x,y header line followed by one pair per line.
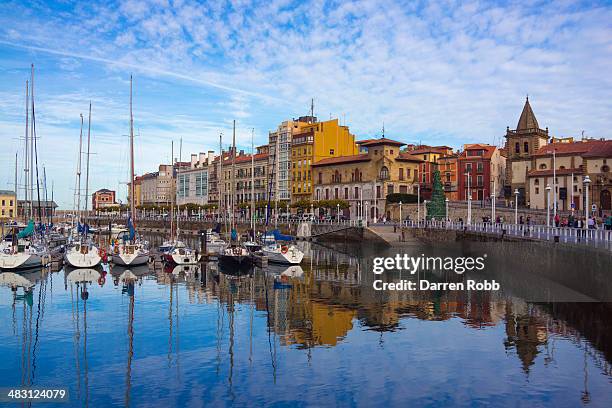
x,y
16,193
25,167
78,190
87,165
31,166
132,189
253,183
233,173
45,190
221,182
172,192
35,151
178,172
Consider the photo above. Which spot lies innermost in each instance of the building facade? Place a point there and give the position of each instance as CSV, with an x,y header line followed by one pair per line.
x,y
192,185
279,157
448,167
157,188
481,167
429,156
8,204
364,180
316,141
102,198
565,172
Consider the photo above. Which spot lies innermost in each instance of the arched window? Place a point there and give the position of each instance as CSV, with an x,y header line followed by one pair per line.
x,y
517,148
526,147
542,166
384,173
537,182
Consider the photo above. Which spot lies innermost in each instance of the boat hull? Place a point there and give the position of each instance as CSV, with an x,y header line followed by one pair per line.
x,y
130,259
20,261
78,260
288,258
187,259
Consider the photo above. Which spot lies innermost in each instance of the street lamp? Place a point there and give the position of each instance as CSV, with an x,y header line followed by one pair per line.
x,y
418,203
425,210
366,213
469,200
493,203
400,214
586,181
516,194
548,205
446,208
338,212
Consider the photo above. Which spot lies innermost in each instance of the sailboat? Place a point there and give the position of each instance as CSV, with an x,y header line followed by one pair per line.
x,y
234,255
177,251
84,253
134,251
23,252
251,245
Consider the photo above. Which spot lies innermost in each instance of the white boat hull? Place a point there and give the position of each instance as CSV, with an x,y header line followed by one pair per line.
x,y
130,259
292,256
20,260
79,260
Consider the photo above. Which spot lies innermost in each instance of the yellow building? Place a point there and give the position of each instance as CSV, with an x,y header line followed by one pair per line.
x,y
317,141
8,204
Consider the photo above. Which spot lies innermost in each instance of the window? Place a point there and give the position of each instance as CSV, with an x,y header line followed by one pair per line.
x,y
390,189
401,173
377,191
320,178
537,190
468,167
424,157
201,184
356,192
331,152
408,173
346,193
542,166
448,177
536,182
479,181
384,173
391,151
526,147
479,167
517,148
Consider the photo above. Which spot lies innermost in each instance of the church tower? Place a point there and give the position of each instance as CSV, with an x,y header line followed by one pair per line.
x,y
521,144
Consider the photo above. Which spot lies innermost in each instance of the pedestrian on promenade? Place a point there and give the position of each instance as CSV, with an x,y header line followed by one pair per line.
x,y
557,220
608,222
592,223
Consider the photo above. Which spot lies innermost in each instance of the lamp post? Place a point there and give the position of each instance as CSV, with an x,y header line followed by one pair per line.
x,y
418,203
586,181
469,200
425,209
516,194
366,214
493,203
287,213
338,212
446,201
548,205
400,214
554,183
312,209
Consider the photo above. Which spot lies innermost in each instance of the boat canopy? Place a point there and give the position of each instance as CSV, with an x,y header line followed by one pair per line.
x,y
279,236
27,231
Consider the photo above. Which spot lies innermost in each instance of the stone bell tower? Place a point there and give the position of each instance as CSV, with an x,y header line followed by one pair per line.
x,y
521,144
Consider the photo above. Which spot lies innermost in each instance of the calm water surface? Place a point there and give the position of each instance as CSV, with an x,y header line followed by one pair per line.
x,y
319,337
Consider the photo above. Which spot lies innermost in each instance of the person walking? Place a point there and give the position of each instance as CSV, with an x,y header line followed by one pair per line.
x,y
557,220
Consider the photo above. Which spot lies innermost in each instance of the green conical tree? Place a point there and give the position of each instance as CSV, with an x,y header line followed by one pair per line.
x,y
436,208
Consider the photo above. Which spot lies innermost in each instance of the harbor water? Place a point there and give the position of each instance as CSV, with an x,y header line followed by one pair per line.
x,y
314,335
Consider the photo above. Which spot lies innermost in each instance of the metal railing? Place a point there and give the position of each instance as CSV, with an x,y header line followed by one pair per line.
x,y
593,236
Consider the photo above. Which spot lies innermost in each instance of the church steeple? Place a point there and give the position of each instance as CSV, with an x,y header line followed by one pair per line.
x,y
527,119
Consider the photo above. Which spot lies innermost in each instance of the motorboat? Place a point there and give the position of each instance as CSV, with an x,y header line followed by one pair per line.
x,y
283,253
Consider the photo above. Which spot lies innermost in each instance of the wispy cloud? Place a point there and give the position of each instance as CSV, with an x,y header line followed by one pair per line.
x,y
448,72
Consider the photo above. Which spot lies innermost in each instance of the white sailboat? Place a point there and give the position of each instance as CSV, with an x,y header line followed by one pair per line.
x,y
134,252
22,252
84,253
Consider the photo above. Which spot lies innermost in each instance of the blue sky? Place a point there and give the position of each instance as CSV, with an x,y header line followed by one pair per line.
x,y
434,72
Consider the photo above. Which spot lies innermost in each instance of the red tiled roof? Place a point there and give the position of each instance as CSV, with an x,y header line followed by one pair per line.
x,y
376,142
549,172
430,149
488,151
342,160
407,156
247,157
590,148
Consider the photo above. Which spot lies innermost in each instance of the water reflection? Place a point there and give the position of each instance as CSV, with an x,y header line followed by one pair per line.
x,y
224,333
